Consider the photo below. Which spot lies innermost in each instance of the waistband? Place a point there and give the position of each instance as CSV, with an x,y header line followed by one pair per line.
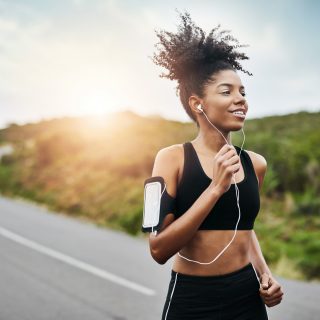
x,y
247,267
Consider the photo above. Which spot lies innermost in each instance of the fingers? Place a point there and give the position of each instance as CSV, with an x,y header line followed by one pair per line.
x,y
227,162
235,168
230,160
273,303
273,300
231,154
228,154
226,148
233,160
264,280
274,297
271,292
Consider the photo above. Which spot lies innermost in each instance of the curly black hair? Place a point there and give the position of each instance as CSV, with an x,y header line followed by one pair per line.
x,y
192,58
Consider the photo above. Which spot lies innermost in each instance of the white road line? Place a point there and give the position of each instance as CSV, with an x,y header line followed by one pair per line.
x,y
76,263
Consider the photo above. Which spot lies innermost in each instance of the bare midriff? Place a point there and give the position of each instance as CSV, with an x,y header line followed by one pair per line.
x,y
206,245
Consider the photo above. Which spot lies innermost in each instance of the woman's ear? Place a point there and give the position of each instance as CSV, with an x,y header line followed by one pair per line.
x,y
194,103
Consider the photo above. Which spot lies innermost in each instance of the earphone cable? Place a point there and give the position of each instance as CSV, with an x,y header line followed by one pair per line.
x,y
237,196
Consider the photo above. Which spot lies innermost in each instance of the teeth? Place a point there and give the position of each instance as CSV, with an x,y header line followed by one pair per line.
x,y
238,112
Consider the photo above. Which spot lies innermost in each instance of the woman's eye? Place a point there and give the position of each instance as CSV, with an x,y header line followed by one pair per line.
x,y
227,92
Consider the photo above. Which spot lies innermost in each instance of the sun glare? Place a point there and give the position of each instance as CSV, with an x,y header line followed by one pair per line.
x,y
97,121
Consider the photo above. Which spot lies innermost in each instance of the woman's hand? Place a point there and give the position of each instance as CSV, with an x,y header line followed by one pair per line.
x,y
225,163
270,290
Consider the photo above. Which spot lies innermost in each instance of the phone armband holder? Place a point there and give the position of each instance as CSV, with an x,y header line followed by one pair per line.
x,y
157,204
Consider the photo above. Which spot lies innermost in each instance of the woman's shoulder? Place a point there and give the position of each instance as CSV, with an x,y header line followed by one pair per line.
x,y
257,159
172,152
168,165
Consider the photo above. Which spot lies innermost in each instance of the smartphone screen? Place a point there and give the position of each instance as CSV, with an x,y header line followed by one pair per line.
x,y
151,207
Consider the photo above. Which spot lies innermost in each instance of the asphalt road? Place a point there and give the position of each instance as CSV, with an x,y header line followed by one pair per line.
x,y
56,267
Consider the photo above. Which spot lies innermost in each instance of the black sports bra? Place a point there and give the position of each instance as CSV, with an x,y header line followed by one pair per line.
x,y
225,213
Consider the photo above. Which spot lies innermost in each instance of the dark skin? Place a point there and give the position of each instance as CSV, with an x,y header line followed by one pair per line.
x,y
218,160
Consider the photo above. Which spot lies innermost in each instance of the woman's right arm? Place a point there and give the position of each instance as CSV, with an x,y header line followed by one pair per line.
x,y
175,234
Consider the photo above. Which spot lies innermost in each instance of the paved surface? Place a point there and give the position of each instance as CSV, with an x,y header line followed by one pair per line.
x,y
56,267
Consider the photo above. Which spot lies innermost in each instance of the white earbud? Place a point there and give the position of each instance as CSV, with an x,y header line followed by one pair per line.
x,y
199,107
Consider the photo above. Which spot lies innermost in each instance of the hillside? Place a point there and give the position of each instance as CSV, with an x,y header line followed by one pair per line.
x,y
95,168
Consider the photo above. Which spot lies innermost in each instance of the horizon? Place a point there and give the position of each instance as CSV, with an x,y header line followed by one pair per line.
x,y
95,117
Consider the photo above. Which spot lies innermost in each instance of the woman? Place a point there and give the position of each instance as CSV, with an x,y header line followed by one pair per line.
x,y
211,277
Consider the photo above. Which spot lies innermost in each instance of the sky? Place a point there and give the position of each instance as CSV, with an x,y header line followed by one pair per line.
x,y
82,57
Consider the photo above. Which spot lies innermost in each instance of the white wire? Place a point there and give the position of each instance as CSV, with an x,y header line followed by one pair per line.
x,y
175,281
237,195
256,273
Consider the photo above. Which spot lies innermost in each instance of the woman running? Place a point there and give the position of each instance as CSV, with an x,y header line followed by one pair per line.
x,y
219,271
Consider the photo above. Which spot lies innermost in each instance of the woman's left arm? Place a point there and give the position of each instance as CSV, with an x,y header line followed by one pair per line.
x,y
256,256
270,290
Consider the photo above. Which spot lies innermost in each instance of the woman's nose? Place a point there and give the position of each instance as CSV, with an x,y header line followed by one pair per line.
x,y
240,99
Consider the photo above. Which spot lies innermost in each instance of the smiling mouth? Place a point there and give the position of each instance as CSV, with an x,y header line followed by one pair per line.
x,y
239,114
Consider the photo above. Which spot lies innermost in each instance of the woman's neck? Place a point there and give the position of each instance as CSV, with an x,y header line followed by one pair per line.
x,y
211,141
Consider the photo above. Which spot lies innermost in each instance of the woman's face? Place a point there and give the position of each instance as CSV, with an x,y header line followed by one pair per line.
x,y
222,97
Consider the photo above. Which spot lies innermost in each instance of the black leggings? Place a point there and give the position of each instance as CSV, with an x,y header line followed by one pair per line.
x,y
230,296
